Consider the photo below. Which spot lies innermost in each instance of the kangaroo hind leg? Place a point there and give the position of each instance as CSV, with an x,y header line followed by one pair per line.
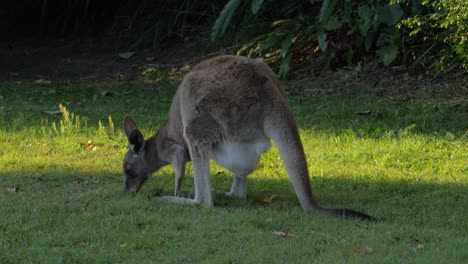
x,y
201,134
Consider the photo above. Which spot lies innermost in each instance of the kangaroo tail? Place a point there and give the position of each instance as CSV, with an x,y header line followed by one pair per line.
x,y
282,129
346,213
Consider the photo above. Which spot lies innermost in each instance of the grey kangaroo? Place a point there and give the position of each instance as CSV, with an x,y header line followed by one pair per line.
x,y
227,108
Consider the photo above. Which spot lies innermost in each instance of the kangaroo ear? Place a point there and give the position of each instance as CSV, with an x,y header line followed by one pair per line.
x,y
129,125
137,141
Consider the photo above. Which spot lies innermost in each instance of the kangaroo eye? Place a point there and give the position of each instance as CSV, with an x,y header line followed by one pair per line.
x,y
128,171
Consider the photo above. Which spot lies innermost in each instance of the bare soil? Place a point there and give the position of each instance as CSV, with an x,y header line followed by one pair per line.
x,y
89,61
79,60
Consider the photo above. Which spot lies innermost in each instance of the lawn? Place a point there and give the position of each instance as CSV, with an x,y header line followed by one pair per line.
x,y
62,198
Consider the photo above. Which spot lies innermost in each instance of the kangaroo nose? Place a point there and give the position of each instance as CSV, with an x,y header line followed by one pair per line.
x,y
131,187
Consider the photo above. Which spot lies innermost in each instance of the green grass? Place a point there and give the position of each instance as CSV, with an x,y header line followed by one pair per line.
x,y
406,163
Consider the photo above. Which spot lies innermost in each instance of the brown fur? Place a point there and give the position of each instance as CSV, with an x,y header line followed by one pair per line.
x,y
227,109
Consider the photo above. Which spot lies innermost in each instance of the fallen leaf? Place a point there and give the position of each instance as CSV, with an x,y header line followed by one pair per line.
x,y
89,143
53,112
363,250
128,245
267,200
126,55
364,113
42,82
74,104
107,93
13,189
284,234
258,200
270,198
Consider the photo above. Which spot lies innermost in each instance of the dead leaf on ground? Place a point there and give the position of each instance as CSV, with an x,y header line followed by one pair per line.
x,y
107,93
74,104
126,55
42,82
13,189
53,112
364,113
266,200
128,245
363,250
284,234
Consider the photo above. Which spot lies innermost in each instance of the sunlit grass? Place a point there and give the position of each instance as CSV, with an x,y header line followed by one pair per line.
x,y
62,197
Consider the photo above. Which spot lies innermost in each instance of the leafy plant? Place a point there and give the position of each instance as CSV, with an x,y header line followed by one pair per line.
x,y
333,33
437,32
318,33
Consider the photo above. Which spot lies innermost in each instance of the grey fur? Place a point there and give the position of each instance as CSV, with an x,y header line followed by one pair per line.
x,y
226,109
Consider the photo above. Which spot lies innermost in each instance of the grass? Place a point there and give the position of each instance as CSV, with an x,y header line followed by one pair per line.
x,y
62,197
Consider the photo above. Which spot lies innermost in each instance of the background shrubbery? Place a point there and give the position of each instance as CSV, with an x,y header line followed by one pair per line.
x,y
306,35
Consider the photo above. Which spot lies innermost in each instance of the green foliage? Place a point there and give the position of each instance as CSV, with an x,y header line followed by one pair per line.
x,y
224,18
441,23
341,27
335,33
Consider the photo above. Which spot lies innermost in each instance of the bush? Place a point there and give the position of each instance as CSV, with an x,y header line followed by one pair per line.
x,y
317,34
437,31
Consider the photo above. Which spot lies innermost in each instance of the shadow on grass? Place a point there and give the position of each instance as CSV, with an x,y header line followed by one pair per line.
x,y
365,116
418,202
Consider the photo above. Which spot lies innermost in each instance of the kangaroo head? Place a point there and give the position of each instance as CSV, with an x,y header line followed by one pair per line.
x,y
135,165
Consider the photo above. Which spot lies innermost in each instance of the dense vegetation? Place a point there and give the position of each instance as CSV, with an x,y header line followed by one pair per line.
x,y
306,35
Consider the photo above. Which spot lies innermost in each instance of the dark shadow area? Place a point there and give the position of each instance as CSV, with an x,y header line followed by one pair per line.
x,y
390,200
64,41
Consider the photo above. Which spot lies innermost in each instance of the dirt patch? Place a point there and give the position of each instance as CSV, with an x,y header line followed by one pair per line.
x,y
60,60
87,60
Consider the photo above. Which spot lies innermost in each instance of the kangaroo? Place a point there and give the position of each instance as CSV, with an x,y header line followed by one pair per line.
x,y
227,109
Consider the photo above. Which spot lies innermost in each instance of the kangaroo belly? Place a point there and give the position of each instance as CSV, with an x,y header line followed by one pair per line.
x,y
240,157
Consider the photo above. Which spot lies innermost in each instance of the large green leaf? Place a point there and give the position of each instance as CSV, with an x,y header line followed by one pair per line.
x,y
365,19
286,44
387,54
327,9
255,6
333,24
271,40
285,66
369,40
390,14
322,39
224,19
